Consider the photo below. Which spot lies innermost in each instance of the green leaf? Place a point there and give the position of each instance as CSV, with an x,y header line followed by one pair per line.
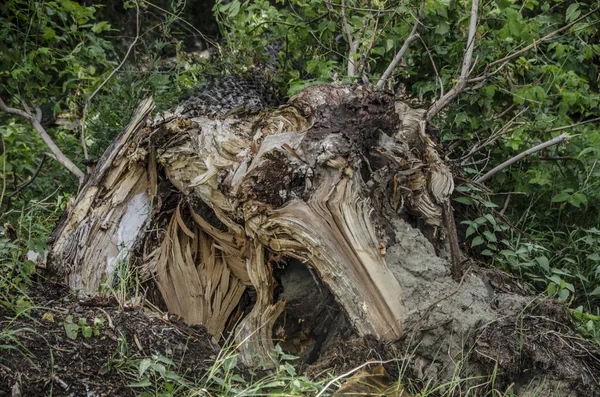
x,y
543,262
491,237
563,295
71,330
234,9
490,218
464,200
477,241
100,26
560,197
49,33
442,28
470,231
389,44
594,257
595,292
577,199
144,365
573,12
86,331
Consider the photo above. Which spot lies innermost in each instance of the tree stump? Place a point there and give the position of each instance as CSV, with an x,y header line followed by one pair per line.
x,y
317,220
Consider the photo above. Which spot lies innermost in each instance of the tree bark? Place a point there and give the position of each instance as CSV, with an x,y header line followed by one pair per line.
x,y
343,180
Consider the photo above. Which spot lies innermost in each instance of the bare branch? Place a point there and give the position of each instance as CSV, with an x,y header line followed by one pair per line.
x,y
462,80
437,75
38,113
411,37
506,60
520,156
115,70
60,156
493,138
566,127
351,43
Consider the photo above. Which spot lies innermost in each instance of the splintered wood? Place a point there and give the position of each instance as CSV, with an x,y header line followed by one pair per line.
x,y
290,181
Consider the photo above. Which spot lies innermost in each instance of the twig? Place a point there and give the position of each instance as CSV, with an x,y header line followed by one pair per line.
x,y
466,66
89,99
520,156
491,139
433,65
337,378
505,206
204,37
504,61
59,155
330,3
28,182
566,127
411,37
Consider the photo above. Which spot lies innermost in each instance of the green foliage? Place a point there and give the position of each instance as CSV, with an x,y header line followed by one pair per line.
x,y
553,196
50,51
73,329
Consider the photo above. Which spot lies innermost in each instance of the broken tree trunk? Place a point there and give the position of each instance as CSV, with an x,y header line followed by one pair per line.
x,y
293,224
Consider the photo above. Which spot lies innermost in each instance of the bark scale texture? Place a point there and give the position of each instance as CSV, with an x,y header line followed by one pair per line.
x,y
343,179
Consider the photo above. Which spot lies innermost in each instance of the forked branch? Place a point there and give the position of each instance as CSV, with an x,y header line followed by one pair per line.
x,y
33,120
520,156
466,67
414,35
507,59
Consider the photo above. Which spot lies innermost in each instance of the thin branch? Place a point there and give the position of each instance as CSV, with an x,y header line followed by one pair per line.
x,y
520,156
466,66
330,3
566,127
506,202
87,102
493,138
59,155
351,43
177,17
506,60
411,37
433,65
26,183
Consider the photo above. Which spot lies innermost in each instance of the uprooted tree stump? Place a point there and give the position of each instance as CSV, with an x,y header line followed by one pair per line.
x,y
324,219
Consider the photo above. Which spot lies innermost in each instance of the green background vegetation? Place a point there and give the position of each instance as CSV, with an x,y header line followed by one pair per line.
x,y
539,218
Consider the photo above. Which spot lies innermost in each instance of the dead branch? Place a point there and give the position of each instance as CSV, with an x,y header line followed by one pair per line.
x,y
59,155
491,139
526,153
351,43
411,37
466,66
